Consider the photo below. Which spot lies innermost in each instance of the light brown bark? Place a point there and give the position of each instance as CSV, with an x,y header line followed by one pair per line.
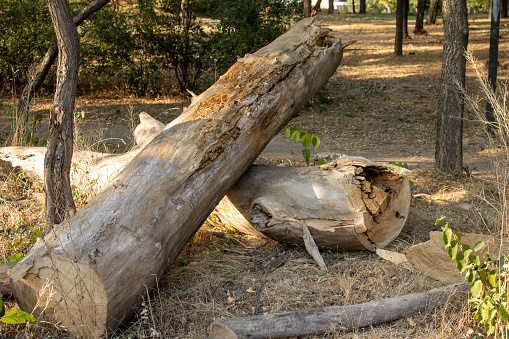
x,y
57,164
100,262
334,318
432,12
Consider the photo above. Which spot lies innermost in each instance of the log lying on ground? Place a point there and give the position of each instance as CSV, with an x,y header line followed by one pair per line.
x,y
334,318
89,272
351,203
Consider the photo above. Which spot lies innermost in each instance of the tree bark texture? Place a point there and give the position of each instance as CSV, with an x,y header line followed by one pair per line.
x,y
503,11
419,17
101,262
362,6
350,203
406,6
307,8
331,6
398,44
432,12
353,6
317,8
57,164
333,318
35,82
448,151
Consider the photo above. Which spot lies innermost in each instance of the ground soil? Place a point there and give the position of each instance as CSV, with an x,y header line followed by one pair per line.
x,y
376,105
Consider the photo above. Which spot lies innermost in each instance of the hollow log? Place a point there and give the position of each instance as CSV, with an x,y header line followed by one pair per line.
x,y
351,203
90,271
333,318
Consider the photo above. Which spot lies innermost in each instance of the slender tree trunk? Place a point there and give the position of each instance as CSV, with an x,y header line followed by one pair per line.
x,y
331,6
362,8
432,13
405,19
493,60
317,8
449,153
398,46
41,72
57,163
307,8
353,6
419,17
503,13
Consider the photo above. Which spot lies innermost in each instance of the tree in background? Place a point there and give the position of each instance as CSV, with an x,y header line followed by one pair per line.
x,y
362,6
449,152
398,45
432,12
503,11
419,17
331,6
307,8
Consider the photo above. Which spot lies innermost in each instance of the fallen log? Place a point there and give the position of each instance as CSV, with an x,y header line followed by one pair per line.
x,y
351,203
89,272
334,318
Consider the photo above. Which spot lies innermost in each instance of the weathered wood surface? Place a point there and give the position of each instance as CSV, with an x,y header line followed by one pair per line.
x,y
98,264
334,318
351,203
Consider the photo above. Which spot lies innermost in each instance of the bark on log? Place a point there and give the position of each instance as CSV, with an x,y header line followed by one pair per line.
x,y
334,318
100,262
5,276
351,203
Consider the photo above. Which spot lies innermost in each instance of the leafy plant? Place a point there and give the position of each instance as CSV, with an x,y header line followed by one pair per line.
x,y
16,316
402,165
306,139
488,280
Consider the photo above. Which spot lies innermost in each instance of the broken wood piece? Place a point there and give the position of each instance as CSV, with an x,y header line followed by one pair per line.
x,y
334,318
273,201
311,247
396,258
432,259
98,264
5,276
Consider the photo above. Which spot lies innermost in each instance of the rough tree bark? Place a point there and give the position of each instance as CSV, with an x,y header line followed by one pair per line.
x,y
57,164
503,12
105,257
317,8
307,8
432,12
448,151
333,318
42,70
406,6
419,17
398,44
362,6
331,6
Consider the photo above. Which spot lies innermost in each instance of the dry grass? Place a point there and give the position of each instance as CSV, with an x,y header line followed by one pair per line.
x,y
384,106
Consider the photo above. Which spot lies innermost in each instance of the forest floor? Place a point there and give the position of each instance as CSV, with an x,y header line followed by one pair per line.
x,y
377,105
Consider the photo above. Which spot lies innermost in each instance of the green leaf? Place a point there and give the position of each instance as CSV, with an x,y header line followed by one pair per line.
x,y
440,218
492,278
478,245
295,135
321,162
14,257
447,237
315,141
470,276
476,288
489,328
287,132
502,312
305,140
303,133
307,155
17,317
466,247
410,182
474,259
452,250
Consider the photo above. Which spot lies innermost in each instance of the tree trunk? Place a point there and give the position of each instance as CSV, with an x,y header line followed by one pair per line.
x,y
493,62
503,12
398,45
317,8
351,203
331,6
307,8
448,152
105,257
333,318
57,164
432,12
419,17
353,6
406,5
362,6
41,72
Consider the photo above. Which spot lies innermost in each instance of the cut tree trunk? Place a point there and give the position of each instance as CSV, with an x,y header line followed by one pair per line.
x,y
91,270
57,163
351,203
333,318
358,219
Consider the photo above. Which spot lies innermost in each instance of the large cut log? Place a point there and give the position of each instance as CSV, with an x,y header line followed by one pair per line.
x,y
333,318
351,203
89,272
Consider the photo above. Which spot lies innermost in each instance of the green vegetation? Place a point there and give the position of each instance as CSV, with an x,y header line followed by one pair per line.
x,y
306,139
